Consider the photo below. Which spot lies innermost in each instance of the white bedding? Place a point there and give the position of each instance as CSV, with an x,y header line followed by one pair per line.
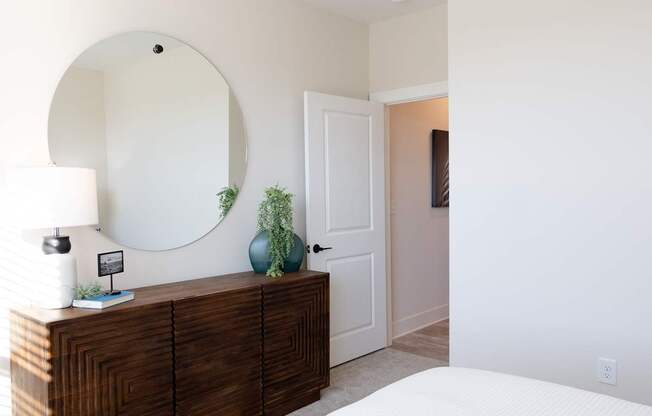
x,y
466,392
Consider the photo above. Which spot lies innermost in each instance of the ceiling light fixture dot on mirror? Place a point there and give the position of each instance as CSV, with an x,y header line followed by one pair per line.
x,y
162,129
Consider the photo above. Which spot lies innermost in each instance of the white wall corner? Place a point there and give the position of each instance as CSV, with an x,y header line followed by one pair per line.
x,y
409,94
419,320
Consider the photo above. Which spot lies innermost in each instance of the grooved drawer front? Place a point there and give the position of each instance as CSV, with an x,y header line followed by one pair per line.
x,y
30,365
217,354
113,364
295,354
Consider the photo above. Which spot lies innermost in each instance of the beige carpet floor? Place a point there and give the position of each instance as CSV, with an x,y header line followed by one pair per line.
x,y
356,379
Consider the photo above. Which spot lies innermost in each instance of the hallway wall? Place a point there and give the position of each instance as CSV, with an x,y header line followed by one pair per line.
x,y
419,233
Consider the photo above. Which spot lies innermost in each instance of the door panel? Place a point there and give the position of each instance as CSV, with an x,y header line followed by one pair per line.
x,y
353,287
348,164
345,201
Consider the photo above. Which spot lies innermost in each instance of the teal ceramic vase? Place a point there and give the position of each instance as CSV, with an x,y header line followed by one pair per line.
x,y
259,254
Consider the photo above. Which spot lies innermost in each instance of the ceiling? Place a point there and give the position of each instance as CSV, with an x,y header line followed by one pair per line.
x,y
369,11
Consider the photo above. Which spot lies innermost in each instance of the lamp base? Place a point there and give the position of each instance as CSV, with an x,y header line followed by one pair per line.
x,y
56,244
57,289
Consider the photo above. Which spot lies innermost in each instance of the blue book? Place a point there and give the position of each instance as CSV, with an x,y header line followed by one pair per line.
x,y
103,301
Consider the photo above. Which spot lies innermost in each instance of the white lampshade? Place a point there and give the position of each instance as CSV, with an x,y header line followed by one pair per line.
x,y
49,197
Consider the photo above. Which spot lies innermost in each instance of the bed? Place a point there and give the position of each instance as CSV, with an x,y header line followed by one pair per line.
x,y
466,392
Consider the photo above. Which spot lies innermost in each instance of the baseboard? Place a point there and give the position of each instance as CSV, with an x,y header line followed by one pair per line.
x,y
419,320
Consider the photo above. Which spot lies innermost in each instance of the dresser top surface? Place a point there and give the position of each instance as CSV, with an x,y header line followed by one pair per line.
x,y
169,292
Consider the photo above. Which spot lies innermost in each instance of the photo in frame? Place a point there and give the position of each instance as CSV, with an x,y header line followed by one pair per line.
x,y
110,263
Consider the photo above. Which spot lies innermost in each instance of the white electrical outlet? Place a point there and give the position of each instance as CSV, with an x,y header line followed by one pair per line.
x,y
607,371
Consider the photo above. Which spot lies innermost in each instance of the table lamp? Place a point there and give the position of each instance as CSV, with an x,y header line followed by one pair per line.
x,y
55,197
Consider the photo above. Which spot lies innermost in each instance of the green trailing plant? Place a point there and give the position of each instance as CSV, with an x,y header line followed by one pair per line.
x,y
275,217
88,291
225,199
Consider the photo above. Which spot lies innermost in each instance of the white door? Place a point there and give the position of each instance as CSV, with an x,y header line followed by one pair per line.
x,y
345,210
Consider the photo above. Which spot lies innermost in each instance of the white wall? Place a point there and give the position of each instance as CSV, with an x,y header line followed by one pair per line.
x,y
269,53
409,50
551,190
419,233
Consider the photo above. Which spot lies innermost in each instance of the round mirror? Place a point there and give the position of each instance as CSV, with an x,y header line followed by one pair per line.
x,y
162,129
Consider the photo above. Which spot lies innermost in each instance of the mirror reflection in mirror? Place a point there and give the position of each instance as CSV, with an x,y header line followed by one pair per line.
x,y
162,129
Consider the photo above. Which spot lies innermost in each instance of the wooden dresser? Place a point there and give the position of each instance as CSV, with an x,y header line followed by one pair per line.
x,y
240,344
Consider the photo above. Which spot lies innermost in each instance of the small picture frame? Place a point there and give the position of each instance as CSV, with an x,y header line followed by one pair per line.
x,y
110,263
440,193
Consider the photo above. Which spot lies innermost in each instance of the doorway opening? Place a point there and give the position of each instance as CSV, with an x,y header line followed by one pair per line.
x,y
418,242
369,200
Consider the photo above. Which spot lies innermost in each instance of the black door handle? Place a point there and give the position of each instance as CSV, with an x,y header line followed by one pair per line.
x,y
317,248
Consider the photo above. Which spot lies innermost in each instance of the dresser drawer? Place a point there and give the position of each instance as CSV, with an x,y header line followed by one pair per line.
x,y
296,343
116,363
217,354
